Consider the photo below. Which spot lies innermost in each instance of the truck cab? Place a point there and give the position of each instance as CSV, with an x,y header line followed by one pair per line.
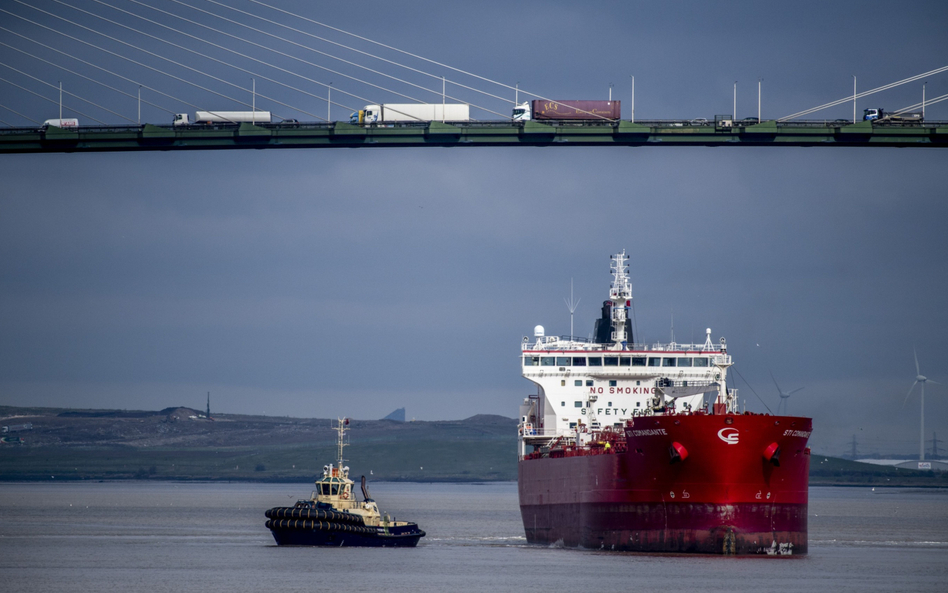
x,y
871,114
182,119
369,115
521,112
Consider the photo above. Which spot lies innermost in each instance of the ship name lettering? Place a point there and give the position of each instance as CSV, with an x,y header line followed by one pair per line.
x,y
649,432
797,433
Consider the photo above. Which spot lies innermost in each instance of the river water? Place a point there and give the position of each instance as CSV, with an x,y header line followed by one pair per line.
x,y
199,537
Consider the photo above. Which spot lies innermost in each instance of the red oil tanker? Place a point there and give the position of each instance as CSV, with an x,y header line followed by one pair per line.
x,y
641,447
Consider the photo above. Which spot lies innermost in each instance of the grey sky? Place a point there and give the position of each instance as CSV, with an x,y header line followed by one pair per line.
x,y
330,282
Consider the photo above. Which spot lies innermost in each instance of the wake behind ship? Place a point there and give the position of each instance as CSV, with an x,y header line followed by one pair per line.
x,y
641,447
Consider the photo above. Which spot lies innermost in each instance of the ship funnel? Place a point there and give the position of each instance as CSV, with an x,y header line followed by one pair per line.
x,y
365,491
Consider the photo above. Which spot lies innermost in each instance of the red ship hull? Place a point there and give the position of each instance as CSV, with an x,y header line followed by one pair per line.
x,y
713,484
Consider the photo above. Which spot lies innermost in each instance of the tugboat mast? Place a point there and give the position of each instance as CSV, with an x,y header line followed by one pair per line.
x,y
341,442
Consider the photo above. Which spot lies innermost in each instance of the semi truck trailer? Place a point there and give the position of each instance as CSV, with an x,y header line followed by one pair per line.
x,y
224,117
542,109
411,112
880,115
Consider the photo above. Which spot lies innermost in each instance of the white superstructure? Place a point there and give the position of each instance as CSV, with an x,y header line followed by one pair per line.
x,y
588,385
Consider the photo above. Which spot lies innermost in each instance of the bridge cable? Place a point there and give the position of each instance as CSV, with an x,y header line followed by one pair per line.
x,y
130,59
198,53
66,92
264,77
125,78
928,102
429,74
288,56
866,93
112,88
20,114
256,74
506,86
53,101
306,61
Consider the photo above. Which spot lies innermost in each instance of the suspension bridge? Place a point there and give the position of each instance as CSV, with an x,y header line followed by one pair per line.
x,y
198,57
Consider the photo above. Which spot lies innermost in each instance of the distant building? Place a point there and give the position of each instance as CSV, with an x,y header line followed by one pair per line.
x,y
398,415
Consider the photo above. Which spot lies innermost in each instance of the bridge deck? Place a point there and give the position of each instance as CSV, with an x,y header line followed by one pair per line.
x,y
532,133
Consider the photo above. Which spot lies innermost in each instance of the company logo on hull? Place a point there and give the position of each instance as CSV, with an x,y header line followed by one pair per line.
x,y
728,435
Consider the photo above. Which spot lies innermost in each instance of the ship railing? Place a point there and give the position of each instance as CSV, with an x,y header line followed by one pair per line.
x,y
528,431
586,344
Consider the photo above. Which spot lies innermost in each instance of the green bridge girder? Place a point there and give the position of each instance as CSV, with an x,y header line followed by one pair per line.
x,y
531,133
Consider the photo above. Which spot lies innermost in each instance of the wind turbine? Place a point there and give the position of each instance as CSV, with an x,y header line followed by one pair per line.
x,y
784,395
919,378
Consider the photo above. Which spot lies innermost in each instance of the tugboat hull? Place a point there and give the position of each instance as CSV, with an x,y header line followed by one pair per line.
x,y
289,532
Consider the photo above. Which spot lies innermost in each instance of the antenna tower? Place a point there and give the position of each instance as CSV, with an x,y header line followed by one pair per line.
x,y
571,305
854,447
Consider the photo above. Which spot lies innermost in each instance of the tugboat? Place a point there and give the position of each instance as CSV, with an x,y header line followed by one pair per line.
x,y
333,517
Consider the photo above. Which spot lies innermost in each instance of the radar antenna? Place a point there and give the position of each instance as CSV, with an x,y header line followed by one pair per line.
x,y
571,305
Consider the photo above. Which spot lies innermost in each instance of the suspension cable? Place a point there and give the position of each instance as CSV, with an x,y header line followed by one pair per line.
x,y
20,114
926,104
67,92
458,70
192,51
865,93
51,100
125,78
127,58
308,34
309,49
74,73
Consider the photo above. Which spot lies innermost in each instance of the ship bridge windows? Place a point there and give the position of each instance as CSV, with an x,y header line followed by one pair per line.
x,y
563,361
531,361
612,361
638,361
595,361
547,361
668,362
684,361
625,361
701,362
579,361
654,361
329,489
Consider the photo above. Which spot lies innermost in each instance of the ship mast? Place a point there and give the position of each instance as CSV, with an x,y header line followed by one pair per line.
x,y
341,442
620,293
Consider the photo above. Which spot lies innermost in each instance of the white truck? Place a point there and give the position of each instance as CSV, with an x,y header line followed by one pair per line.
x,y
881,116
224,117
411,112
66,122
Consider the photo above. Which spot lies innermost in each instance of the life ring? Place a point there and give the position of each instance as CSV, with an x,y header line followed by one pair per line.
x,y
344,495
